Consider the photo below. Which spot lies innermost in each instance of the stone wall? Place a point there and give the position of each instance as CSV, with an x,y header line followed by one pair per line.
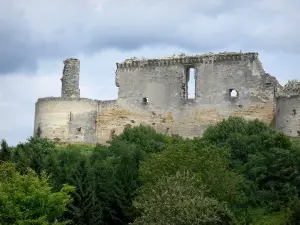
x,y
189,121
66,120
159,85
288,109
215,81
154,92
164,81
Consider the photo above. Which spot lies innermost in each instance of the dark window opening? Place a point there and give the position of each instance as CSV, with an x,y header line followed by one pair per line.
x,y
39,131
189,92
233,93
79,129
145,100
294,112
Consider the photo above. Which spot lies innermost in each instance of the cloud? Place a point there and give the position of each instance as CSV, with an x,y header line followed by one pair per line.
x,y
33,30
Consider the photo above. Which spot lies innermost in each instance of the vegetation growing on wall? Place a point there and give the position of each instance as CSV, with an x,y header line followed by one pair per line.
x,y
239,172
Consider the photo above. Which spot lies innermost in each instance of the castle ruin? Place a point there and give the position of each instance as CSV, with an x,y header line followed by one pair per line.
x,y
155,92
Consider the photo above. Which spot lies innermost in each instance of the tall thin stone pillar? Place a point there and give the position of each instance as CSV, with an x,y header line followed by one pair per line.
x,y
70,79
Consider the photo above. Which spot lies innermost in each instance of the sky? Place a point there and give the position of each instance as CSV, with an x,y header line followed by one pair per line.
x,y
36,36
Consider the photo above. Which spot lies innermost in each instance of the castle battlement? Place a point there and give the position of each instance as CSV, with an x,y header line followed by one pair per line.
x,y
186,60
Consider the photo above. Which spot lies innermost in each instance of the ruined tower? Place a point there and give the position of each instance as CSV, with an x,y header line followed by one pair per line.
x,y
70,79
155,92
288,109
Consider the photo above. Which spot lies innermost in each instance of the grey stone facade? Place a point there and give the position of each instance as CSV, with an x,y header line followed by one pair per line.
x,y
288,109
155,92
164,81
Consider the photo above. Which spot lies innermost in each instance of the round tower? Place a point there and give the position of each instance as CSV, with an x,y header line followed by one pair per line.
x,y
70,79
288,109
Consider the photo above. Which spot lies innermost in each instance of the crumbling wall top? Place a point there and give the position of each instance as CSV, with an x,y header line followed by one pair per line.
x,y
71,60
70,78
292,88
183,59
46,99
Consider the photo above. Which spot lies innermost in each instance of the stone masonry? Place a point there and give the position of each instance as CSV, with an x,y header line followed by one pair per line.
x,y
70,79
155,92
288,109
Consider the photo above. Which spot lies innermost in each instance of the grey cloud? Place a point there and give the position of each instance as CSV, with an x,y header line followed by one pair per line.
x,y
64,28
16,50
15,54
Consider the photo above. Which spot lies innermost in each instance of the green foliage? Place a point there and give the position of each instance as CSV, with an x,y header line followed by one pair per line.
x,y
294,211
32,154
277,175
4,151
145,137
266,160
105,179
71,165
180,199
116,179
209,163
296,147
27,199
278,218
239,172
245,137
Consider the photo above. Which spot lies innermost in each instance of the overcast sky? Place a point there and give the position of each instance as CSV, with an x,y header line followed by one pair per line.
x,y
37,35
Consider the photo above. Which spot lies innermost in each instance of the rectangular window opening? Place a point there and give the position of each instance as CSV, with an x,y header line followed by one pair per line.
x,y
145,100
190,83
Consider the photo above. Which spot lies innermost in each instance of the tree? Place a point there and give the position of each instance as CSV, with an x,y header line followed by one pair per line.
x,y
207,161
180,199
115,173
4,151
267,160
145,137
71,164
32,153
276,172
245,138
28,199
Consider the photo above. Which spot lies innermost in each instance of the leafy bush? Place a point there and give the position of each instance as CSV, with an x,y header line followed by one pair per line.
x,y
180,199
245,137
27,199
210,163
